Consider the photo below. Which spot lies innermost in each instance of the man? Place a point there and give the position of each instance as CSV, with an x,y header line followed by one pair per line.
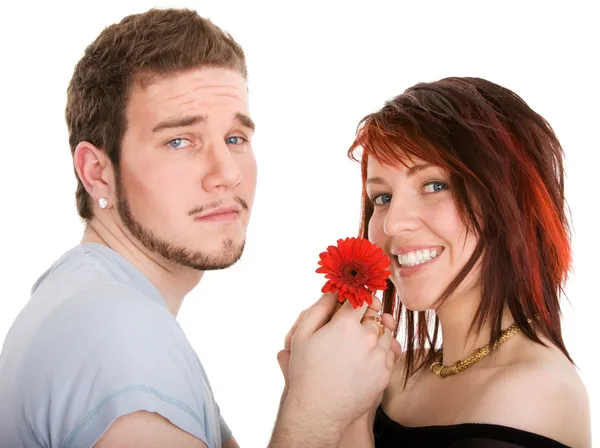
x,y
159,128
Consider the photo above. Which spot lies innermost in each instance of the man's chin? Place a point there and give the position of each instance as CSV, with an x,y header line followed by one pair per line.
x,y
218,262
220,255
223,258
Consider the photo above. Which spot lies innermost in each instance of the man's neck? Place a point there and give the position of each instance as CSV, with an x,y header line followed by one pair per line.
x,y
173,281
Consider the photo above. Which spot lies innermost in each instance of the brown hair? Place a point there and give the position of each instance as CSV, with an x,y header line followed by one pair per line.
x,y
158,42
503,157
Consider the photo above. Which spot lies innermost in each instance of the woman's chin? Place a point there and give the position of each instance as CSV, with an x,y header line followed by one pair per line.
x,y
418,305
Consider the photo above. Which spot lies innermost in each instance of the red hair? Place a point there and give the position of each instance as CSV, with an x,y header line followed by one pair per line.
x,y
506,175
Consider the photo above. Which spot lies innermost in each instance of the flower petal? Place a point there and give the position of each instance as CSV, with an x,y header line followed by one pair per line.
x,y
355,269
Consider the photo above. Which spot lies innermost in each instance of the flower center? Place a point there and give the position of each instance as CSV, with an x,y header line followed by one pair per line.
x,y
354,273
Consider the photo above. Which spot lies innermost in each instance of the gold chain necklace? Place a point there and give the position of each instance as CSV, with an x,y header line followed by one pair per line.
x,y
445,371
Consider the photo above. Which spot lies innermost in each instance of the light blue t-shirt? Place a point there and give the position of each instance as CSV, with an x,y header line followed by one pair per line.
x,y
95,342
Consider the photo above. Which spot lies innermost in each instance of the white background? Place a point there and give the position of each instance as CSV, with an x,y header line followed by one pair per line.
x,y
315,69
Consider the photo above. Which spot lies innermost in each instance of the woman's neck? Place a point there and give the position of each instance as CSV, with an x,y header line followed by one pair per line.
x,y
456,316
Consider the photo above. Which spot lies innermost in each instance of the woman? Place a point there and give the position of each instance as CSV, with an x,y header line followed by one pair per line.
x,y
463,189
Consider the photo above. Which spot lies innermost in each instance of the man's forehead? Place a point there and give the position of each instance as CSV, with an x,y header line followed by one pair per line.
x,y
155,83
205,92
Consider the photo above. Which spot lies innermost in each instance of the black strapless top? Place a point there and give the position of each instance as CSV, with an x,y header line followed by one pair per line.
x,y
391,434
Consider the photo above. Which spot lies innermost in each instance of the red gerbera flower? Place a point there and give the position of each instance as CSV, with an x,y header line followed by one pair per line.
x,y
355,269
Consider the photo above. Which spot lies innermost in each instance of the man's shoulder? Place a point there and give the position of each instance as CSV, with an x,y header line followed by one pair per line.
x,y
109,316
92,289
106,347
92,300
86,267
106,352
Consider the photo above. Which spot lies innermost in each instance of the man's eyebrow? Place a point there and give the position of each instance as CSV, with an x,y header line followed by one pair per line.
x,y
245,120
180,122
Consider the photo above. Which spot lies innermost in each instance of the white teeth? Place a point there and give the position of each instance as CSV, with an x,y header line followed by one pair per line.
x,y
417,257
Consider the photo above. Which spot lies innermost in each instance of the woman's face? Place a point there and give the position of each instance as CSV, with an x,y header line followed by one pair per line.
x,y
417,224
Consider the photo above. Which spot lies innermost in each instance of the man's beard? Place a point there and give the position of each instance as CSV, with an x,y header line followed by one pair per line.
x,y
229,254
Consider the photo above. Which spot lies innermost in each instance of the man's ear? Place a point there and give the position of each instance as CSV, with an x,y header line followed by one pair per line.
x,y
95,171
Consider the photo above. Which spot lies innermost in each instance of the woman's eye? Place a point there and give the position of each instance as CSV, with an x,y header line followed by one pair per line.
x,y
434,187
381,199
179,143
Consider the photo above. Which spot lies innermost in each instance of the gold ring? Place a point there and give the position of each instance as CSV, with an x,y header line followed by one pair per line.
x,y
378,321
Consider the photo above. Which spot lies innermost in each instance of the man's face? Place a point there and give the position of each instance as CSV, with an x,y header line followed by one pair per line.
x,y
187,172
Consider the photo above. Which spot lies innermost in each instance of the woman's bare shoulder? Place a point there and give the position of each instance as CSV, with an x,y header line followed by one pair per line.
x,y
542,394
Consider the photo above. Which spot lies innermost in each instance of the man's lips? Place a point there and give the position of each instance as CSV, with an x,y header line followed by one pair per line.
x,y
220,214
